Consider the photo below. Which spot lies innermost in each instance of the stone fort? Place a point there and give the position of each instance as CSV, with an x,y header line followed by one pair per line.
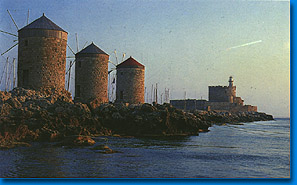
x,y
221,98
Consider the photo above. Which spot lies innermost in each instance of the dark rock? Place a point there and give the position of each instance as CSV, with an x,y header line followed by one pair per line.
x,y
77,141
14,102
59,109
104,149
5,109
4,96
51,115
101,147
148,108
46,134
10,145
95,103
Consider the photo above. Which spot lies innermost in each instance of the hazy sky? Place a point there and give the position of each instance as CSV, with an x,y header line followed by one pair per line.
x,y
184,45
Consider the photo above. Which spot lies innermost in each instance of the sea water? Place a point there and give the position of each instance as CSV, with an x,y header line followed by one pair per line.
x,y
256,149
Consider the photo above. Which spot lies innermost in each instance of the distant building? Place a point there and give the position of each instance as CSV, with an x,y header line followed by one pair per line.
x,y
42,55
221,98
224,93
190,104
130,82
91,75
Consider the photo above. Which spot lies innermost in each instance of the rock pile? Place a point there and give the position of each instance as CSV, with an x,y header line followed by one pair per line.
x,y
51,115
148,120
46,115
214,117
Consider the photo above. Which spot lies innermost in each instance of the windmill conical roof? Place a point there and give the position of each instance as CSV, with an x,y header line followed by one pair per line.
x,y
130,63
92,49
43,23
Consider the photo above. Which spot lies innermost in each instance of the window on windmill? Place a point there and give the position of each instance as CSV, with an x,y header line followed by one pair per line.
x,y
77,89
25,78
26,42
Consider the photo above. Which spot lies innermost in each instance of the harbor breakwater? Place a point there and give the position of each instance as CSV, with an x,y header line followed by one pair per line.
x,y
51,115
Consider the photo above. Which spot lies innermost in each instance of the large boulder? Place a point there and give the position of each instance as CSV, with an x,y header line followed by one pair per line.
x,y
95,103
14,102
5,109
148,108
46,134
77,141
4,96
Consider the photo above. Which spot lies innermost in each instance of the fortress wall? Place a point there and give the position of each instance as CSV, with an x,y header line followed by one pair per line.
x,y
221,93
184,104
218,94
215,106
238,100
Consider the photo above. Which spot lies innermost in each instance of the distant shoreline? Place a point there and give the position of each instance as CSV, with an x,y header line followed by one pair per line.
x,y
283,118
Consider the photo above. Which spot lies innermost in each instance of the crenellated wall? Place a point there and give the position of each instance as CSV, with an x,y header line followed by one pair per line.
x,y
193,104
221,93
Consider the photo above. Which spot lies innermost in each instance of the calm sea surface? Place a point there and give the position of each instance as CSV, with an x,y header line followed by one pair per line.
x,y
258,149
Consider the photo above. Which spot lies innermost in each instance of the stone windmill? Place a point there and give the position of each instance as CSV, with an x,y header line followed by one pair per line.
x,y
130,82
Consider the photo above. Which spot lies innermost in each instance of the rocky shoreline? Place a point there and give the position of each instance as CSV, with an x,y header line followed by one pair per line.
x,y
51,115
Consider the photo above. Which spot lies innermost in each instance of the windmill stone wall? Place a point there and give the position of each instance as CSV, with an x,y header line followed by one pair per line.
x,y
91,75
42,55
130,82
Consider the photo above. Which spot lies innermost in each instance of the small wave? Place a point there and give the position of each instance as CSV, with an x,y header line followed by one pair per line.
x,y
212,146
227,157
259,131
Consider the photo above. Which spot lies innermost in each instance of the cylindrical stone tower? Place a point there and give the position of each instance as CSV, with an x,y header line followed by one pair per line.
x,y
130,82
91,75
42,55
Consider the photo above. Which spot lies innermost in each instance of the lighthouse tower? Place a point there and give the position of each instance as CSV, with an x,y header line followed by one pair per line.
x,y
231,81
231,92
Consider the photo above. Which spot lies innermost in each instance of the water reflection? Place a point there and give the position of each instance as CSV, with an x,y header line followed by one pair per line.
x,y
35,161
225,151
